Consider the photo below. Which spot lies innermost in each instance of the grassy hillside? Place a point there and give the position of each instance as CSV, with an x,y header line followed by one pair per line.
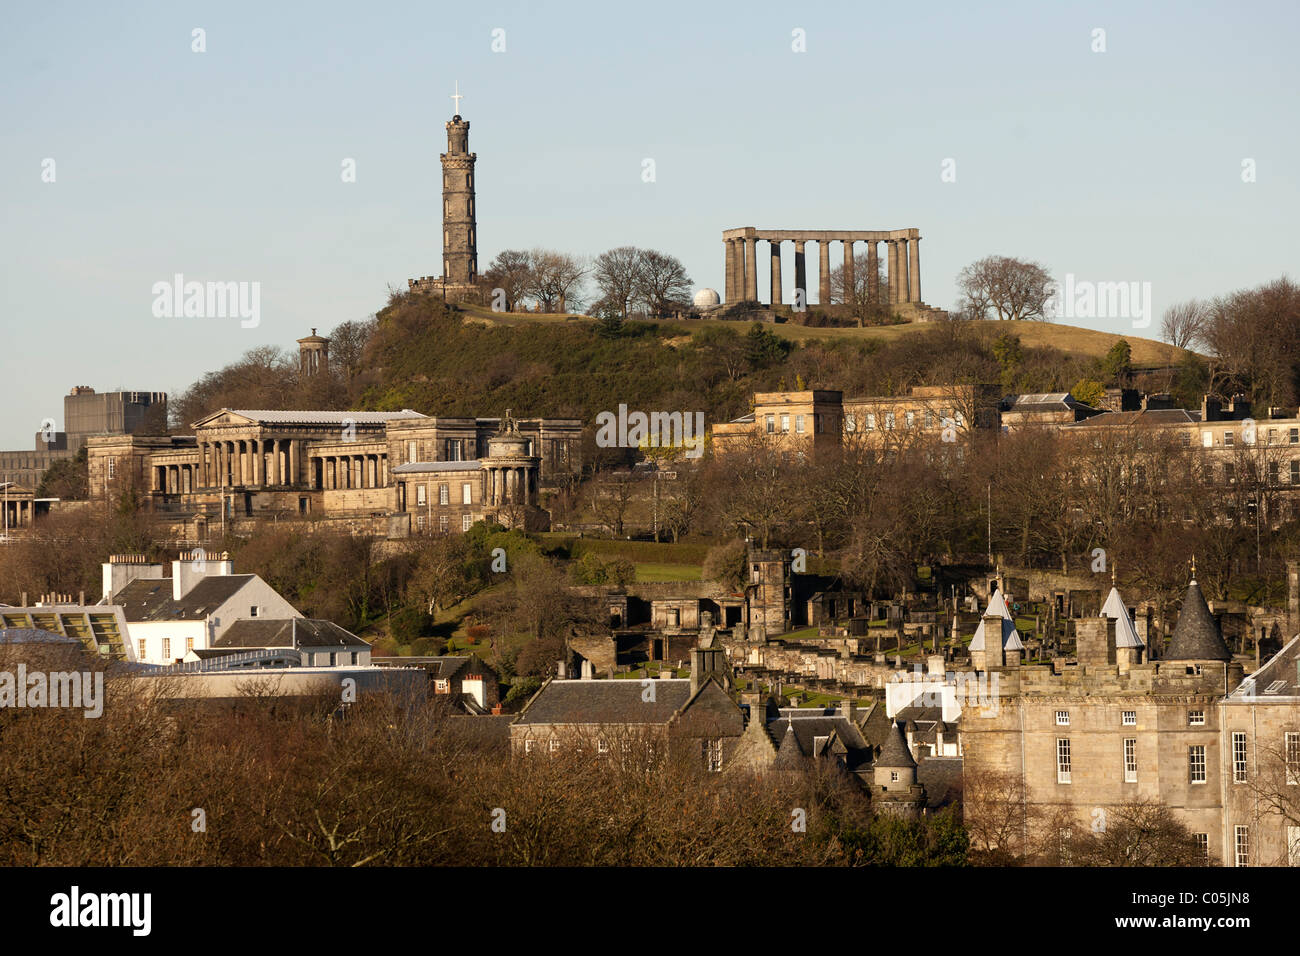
x,y
443,361
1072,340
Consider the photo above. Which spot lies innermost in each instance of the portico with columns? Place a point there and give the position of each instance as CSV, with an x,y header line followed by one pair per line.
x,y
741,257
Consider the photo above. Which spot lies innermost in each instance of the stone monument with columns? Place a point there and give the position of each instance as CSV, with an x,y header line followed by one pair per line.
x,y
903,266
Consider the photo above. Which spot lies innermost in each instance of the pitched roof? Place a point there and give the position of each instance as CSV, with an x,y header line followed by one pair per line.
x,y
294,632
605,702
894,751
942,779
1010,636
1146,416
320,417
1126,634
1196,635
150,599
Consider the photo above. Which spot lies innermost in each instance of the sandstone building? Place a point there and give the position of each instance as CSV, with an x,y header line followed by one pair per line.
x,y
388,472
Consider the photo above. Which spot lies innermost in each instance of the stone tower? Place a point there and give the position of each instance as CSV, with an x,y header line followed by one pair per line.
x,y
459,231
313,355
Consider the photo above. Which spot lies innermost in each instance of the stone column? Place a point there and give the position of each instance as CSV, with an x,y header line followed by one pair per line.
x,y
873,273
293,461
738,250
800,274
751,269
914,274
775,246
259,461
824,275
730,263
903,294
893,270
848,271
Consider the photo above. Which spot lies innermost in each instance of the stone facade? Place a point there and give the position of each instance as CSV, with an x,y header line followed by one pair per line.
x,y
242,464
459,280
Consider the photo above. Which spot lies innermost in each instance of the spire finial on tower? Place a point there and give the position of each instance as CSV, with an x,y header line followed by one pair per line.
x,y
1193,567
457,97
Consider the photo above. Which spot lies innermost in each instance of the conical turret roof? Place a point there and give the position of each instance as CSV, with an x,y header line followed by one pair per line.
x,y
1196,636
1010,636
1126,634
893,750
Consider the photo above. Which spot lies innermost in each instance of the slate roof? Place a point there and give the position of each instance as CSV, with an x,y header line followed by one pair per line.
x,y
1145,416
806,730
1126,634
605,702
922,714
789,755
1010,636
320,417
1196,635
942,779
894,751
1049,400
294,632
150,599
1279,677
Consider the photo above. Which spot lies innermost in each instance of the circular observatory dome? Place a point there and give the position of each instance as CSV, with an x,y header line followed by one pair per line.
x,y
707,299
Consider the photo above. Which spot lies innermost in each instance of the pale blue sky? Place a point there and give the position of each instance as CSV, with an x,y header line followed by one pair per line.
x,y
225,165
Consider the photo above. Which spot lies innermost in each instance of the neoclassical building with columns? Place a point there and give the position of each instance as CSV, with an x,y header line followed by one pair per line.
x,y
402,472
903,265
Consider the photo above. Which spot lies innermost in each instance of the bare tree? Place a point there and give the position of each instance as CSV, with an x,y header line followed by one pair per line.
x,y
1005,288
662,282
617,274
511,272
856,294
555,279
1184,323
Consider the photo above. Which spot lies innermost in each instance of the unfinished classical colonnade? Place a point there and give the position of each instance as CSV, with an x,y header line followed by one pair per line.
x,y
741,246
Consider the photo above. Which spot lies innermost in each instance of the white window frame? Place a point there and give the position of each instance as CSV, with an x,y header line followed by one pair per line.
x,y
466,522
713,755
1196,718
1063,766
1241,845
529,744
421,494
1129,718
1196,764
1130,760
1291,754
1240,770
466,493
444,494
1063,718
785,423
1203,841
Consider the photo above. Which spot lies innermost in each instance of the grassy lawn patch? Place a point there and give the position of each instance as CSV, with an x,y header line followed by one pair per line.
x,y
656,571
